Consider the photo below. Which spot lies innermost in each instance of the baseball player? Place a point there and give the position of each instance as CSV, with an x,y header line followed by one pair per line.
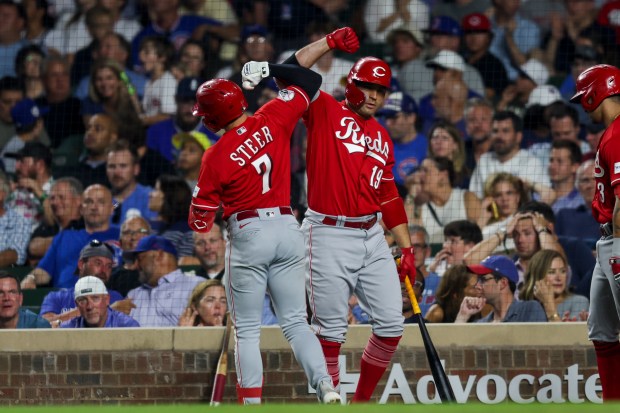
x,y
598,90
248,174
350,189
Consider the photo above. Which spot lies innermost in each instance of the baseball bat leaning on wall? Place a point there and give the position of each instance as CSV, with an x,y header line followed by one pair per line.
x,y
219,381
442,384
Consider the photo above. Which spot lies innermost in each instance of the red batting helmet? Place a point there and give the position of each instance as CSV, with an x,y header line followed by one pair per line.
x,y
596,84
219,102
369,70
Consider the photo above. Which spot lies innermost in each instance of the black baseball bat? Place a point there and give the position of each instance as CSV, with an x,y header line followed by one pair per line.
x,y
442,384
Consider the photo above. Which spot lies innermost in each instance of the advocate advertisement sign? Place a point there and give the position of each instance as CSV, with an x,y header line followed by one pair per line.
x,y
488,388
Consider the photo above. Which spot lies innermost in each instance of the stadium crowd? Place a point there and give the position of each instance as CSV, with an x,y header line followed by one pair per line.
x,y
100,152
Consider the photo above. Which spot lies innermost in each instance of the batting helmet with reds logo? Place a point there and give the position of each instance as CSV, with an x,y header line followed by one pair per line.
x,y
369,70
219,102
596,84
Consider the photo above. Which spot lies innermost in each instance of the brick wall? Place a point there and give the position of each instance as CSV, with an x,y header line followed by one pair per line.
x,y
149,366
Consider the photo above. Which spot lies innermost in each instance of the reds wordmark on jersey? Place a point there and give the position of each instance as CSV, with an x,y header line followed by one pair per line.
x,y
249,167
606,173
349,160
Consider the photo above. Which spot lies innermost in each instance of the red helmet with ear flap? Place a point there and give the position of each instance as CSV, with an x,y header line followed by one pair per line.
x,y
369,70
595,84
219,102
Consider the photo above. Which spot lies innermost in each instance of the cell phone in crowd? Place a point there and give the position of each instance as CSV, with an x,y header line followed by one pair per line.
x,y
493,209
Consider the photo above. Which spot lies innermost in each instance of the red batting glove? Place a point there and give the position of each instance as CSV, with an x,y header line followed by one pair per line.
x,y
200,220
343,39
407,265
615,267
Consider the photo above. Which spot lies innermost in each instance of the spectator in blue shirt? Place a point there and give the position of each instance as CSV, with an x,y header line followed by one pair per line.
x,y
96,259
57,267
497,282
11,313
92,300
165,290
130,197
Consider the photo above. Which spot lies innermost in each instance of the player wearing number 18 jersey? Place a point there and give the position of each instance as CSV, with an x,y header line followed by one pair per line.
x,y
248,174
598,90
349,164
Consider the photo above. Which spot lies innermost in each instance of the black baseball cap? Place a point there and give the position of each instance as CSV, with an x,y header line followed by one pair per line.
x,y
35,150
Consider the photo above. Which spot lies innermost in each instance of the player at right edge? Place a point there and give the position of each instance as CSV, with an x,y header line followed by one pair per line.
x,y
598,91
351,188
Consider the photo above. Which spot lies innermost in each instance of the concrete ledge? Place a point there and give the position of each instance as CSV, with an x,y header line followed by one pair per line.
x,y
196,339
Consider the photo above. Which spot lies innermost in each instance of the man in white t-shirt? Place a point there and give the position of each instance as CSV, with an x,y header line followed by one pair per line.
x,y
507,156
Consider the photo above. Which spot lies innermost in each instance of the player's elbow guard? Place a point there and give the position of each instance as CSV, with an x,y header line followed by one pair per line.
x,y
200,220
394,213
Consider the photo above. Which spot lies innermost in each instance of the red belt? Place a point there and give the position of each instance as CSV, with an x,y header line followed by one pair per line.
x,y
366,225
253,213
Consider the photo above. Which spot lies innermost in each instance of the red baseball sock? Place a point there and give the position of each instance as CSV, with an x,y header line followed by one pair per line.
x,y
608,360
331,350
376,357
249,395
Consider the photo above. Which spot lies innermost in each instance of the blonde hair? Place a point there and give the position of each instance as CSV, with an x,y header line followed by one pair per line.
x,y
198,293
537,270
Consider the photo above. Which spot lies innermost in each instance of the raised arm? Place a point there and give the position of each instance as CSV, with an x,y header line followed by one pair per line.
x,y
343,39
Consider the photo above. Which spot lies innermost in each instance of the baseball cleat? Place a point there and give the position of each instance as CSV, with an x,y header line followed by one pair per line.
x,y
327,394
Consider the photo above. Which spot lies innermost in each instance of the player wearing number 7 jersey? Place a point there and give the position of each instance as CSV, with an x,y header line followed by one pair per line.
x,y
349,164
248,174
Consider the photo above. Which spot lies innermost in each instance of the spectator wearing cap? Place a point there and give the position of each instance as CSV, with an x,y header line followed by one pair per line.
x,y
159,136
444,34
497,283
449,66
256,45
113,46
130,197
587,54
410,146
65,200
514,37
166,21
96,260
13,23
407,43
14,229
457,10
28,121
477,36
191,147
535,122
532,74
165,290
59,262
92,300
60,122
34,182
12,315
381,17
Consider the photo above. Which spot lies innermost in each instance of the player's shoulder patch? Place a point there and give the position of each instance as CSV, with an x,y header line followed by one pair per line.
x,y
286,95
196,191
616,168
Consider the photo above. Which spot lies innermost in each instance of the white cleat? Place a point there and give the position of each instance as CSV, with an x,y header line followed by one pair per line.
x,y
327,394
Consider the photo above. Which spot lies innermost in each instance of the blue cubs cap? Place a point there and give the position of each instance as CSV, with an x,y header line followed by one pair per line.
x,y
26,112
187,87
254,30
398,102
497,265
150,243
444,25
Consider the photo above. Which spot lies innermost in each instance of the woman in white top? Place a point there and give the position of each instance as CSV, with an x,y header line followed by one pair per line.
x,y
70,33
438,201
504,194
